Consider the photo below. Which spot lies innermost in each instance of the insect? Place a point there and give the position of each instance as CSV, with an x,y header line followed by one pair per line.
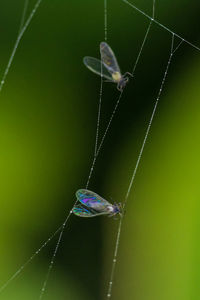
x,y
108,68
92,205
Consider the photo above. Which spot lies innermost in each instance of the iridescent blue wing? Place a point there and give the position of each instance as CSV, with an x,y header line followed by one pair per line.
x,y
93,201
81,211
94,65
108,58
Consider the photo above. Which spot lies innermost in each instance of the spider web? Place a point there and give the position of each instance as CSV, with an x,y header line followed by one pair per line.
x,y
99,142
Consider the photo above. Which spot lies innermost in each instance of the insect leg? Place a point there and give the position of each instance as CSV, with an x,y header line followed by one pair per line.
x,y
128,73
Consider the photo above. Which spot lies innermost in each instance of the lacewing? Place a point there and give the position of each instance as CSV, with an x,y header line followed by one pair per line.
x,y
91,204
107,67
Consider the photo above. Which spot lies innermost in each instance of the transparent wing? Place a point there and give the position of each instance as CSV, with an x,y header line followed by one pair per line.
x,y
108,58
81,211
94,65
93,201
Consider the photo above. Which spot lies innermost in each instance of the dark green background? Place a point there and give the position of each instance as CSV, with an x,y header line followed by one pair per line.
x,y
48,113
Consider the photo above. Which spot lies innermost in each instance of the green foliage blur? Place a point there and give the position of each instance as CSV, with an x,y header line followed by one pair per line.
x,y
48,115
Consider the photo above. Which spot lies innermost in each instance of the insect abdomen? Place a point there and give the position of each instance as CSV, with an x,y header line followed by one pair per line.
x,y
116,76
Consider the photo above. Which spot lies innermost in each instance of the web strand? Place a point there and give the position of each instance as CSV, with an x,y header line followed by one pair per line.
x,y
177,47
141,48
101,90
109,293
98,116
160,24
53,257
153,9
105,21
19,37
23,14
109,122
30,259
91,171
145,38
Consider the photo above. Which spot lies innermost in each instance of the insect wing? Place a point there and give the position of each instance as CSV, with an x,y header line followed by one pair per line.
x,y
95,65
93,201
81,211
108,58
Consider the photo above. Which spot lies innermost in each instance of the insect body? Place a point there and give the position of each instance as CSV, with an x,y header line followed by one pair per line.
x,y
108,68
92,205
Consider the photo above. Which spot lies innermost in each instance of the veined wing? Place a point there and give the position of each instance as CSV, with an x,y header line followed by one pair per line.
x,y
93,201
95,65
82,211
108,58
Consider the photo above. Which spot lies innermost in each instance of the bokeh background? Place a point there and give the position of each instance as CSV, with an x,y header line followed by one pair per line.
x,y
48,114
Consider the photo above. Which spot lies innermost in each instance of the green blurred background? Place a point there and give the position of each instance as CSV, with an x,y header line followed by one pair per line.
x,y
48,113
